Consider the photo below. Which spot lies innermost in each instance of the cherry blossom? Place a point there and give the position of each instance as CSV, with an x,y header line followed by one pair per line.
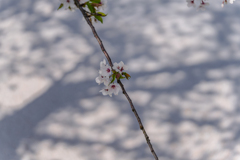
x,y
103,63
202,5
114,88
120,67
107,91
105,75
105,70
102,79
226,1
102,5
191,3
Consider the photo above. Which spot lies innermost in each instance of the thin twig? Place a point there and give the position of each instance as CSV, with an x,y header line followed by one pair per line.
x,y
139,120
94,32
118,81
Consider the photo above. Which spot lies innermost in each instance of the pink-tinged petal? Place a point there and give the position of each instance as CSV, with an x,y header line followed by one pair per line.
x,y
107,91
105,70
119,67
121,63
102,79
115,88
125,67
103,63
115,66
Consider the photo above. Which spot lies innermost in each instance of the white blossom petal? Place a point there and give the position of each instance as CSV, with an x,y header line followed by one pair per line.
x,y
191,3
103,63
115,88
105,70
107,91
103,79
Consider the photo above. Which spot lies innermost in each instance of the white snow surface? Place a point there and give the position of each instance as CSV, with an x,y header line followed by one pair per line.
x,y
185,68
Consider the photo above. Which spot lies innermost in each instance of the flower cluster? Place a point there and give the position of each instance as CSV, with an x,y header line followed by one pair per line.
x,y
225,2
107,76
201,4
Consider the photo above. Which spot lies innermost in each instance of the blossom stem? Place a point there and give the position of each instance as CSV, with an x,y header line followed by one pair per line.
x,y
94,32
118,81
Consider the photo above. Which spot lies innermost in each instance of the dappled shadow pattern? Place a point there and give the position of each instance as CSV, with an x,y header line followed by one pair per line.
x,y
185,77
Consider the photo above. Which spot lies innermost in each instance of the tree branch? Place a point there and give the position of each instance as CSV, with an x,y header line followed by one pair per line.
x,y
139,120
118,81
94,32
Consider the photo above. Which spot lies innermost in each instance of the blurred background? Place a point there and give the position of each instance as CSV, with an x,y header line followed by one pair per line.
x,y
185,81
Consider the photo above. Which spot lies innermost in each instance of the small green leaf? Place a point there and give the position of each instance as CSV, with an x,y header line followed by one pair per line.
x,y
95,1
113,78
91,8
102,14
61,5
122,77
126,75
99,18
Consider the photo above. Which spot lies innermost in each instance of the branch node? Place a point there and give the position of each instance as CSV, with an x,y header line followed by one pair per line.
x,y
141,127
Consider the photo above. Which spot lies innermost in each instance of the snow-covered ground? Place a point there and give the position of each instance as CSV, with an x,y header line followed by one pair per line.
x,y
185,82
